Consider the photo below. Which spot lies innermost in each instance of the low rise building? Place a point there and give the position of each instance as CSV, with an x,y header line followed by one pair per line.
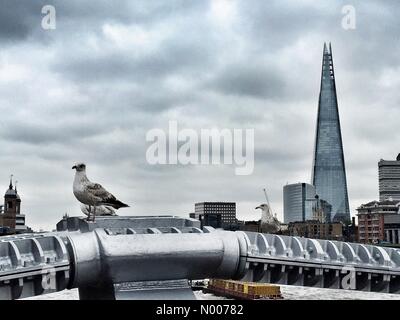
x,y
392,228
193,215
315,229
371,220
216,214
253,226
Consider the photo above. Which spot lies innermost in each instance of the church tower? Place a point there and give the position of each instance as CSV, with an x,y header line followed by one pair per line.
x,y
12,207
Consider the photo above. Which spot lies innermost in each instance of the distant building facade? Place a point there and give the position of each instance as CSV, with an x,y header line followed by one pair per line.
x,y
389,179
315,229
194,216
11,219
298,202
216,214
350,232
371,220
322,210
392,228
258,226
253,226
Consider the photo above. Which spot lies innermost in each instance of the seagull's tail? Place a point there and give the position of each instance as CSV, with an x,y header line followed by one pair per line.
x,y
116,204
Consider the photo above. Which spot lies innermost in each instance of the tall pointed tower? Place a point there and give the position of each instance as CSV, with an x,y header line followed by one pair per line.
x,y
329,173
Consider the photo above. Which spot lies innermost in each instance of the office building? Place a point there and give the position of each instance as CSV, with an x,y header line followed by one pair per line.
x,y
216,214
298,202
328,171
389,179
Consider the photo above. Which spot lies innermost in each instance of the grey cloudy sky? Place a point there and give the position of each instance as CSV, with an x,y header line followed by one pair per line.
x,y
91,89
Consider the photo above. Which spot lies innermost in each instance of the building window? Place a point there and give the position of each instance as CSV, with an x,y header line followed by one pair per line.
x,y
10,205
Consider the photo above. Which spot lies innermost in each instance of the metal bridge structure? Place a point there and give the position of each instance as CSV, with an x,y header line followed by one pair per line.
x,y
154,257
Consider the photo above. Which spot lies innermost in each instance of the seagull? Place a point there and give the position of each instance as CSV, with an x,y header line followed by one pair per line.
x,y
268,222
100,210
92,194
266,216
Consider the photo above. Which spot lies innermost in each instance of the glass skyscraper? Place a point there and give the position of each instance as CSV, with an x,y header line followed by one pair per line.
x,y
328,172
298,202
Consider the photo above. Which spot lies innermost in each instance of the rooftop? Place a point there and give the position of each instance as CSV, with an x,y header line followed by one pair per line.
x,y
384,203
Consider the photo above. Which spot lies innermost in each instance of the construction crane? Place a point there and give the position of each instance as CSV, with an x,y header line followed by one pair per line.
x,y
266,197
269,205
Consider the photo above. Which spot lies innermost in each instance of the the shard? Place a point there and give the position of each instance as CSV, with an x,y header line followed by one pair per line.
x,y
328,172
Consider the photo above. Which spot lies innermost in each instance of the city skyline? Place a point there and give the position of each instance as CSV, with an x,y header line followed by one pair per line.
x,y
89,91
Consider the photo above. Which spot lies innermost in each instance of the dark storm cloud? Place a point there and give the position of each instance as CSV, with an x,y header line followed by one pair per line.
x,y
17,18
21,19
44,133
248,80
111,71
176,56
127,11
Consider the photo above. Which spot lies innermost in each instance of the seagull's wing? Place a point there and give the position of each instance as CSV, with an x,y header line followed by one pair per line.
x,y
102,196
97,190
107,210
85,209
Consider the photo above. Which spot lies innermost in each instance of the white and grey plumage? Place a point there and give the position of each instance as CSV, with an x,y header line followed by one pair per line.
x,y
100,210
266,215
92,194
269,223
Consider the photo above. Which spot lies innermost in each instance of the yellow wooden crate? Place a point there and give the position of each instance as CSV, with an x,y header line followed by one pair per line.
x,y
252,288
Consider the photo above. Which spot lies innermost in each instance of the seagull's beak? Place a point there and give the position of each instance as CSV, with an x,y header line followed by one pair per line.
x,y
258,207
74,167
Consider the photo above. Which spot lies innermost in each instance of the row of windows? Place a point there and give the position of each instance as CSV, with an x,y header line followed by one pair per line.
x,y
216,212
368,217
370,234
215,204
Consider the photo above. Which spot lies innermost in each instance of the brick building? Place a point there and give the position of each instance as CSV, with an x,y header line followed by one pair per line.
x,y
11,219
371,220
316,230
